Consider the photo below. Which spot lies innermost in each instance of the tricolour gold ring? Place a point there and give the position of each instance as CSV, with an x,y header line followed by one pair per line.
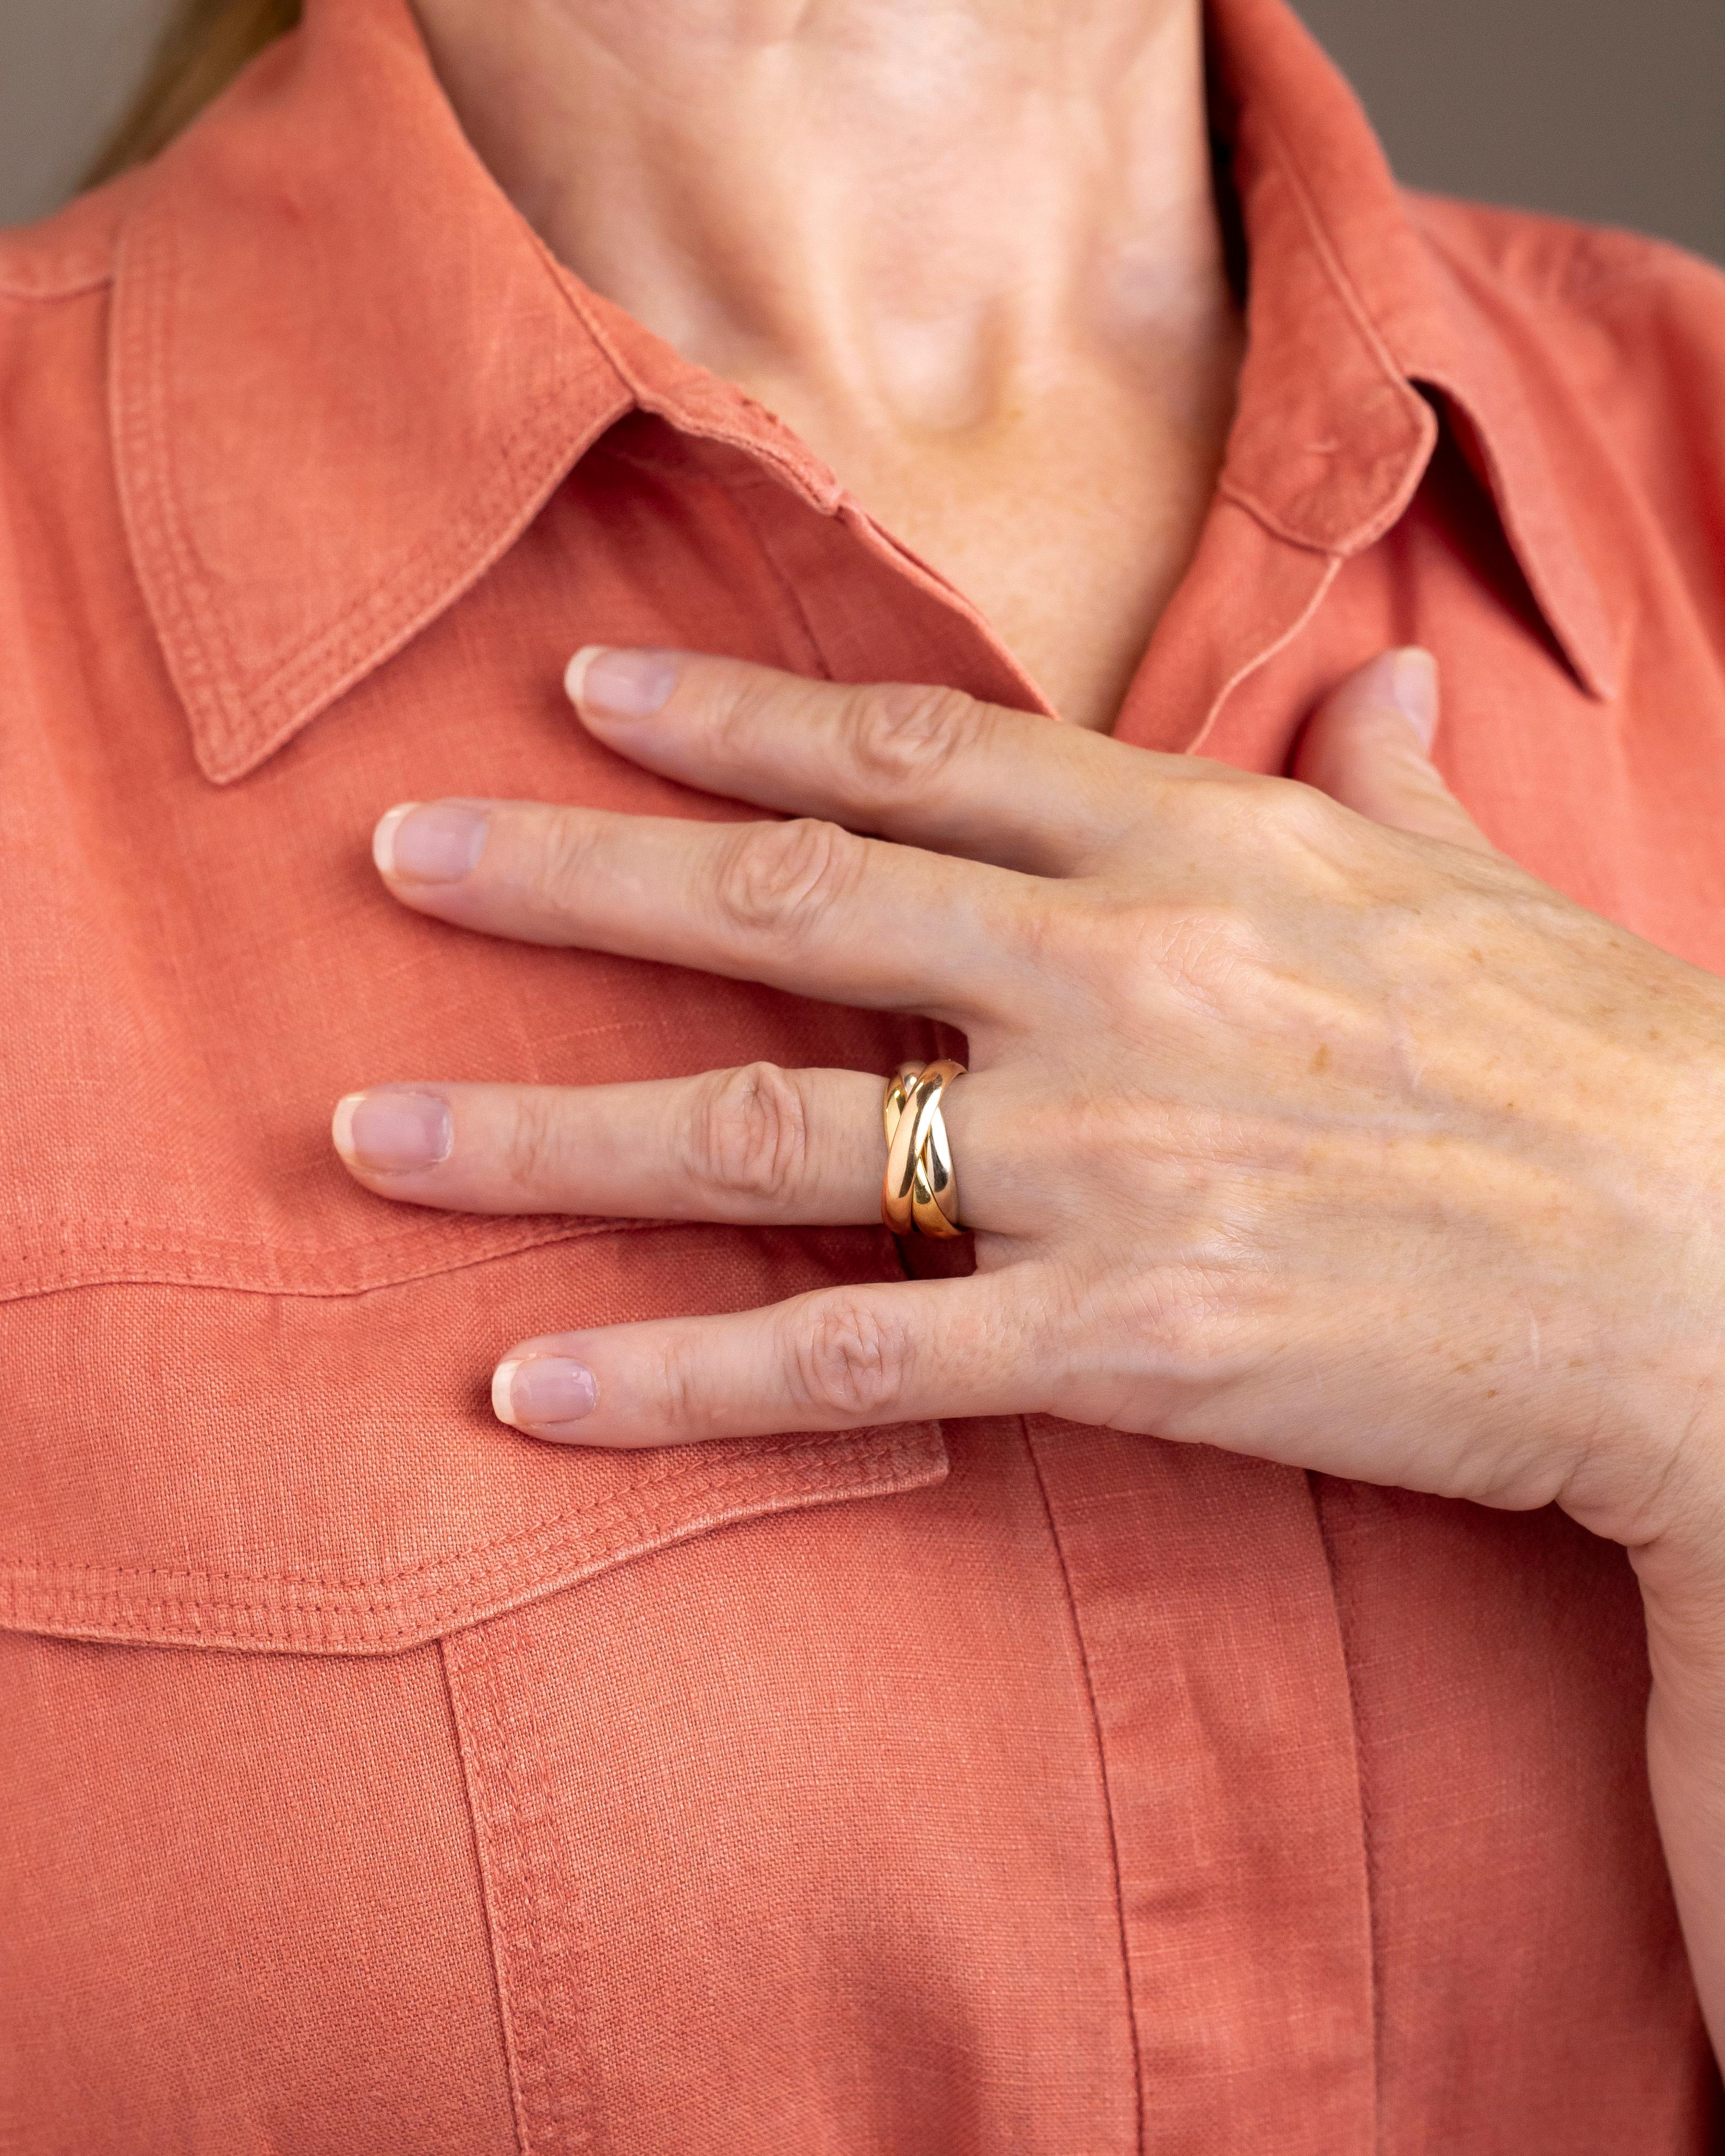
x,y
919,1195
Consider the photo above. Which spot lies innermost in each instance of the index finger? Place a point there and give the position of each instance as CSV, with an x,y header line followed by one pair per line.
x,y
928,766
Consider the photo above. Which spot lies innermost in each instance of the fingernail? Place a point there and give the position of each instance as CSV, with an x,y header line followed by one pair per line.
x,y
439,843
1414,691
538,1392
605,684
393,1130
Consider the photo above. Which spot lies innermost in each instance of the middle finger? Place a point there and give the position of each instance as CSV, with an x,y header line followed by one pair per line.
x,y
802,906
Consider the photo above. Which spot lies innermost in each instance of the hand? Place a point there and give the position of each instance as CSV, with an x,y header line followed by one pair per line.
x,y
1339,1141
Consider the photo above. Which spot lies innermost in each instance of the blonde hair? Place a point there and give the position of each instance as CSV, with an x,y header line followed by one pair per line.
x,y
202,46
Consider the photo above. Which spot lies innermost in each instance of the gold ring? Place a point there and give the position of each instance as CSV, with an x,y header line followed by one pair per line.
x,y
919,1195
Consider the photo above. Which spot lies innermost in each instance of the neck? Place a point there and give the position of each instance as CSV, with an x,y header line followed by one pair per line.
x,y
918,233
911,208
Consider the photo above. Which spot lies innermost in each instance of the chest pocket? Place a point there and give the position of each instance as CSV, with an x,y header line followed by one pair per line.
x,y
242,1401
321,1472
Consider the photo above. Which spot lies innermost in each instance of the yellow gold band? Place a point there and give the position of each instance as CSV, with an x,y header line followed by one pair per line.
x,y
919,1195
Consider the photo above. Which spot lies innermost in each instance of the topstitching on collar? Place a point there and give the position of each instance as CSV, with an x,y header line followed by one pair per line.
x,y
346,374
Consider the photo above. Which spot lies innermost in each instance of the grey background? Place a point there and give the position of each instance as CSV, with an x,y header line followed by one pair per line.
x,y
1608,110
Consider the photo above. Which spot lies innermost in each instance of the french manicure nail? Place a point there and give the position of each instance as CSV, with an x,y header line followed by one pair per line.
x,y
438,843
608,684
393,1130
538,1392
1414,691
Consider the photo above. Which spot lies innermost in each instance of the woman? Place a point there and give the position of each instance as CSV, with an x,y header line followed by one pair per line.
x,y
1170,1672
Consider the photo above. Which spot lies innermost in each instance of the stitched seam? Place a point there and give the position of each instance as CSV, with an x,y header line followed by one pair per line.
x,y
521,1931
207,624
465,1752
426,568
280,1625
138,303
1106,1779
712,429
482,1247
1263,658
1346,291
347,636
419,579
763,1450
433,1264
189,1245
213,663
193,1246
514,1895
524,2001
1232,491
1340,282
554,2012
678,1478
1366,1845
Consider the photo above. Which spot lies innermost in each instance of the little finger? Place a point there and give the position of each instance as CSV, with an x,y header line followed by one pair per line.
x,y
837,1358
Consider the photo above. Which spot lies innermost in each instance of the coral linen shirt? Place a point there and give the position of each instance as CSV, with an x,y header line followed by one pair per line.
x,y
378,1780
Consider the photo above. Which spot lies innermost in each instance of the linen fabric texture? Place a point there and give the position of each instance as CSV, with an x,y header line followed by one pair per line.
x,y
376,1779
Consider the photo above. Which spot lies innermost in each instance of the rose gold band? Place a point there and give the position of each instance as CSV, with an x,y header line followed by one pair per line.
x,y
919,1195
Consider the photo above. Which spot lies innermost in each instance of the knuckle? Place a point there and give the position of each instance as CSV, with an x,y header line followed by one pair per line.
x,y
1293,829
776,879
901,736
1054,932
1130,953
850,1364
1246,812
1214,955
1299,816
684,1405
671,1388
531,1142
563,869
1181,1329
751,1135
744,703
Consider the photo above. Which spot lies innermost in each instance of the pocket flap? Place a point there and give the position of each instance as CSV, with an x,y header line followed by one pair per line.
x,y
321,1473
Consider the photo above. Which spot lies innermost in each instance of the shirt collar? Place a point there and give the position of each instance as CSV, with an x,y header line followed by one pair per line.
x,y
1355,303
346,375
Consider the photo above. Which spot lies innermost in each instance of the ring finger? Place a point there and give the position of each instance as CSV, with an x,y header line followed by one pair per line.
x,y
754,1146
